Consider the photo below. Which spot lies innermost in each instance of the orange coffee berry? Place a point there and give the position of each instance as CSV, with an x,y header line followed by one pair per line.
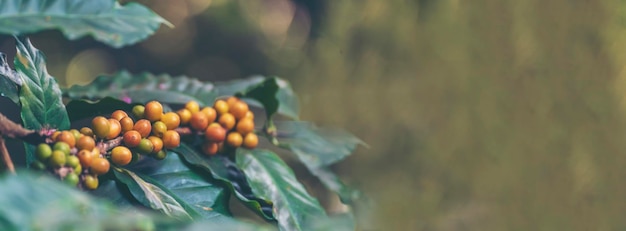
x,y
227,121
250,141
210,148
245,126
199,121
171,139
132,138
211,113
234,139
192,106
171,119
67,137
153,111
100,126
143,126
118,115
185,115
239,109
215,133
115,129
157,143
86,143
127,124
99,166
121,155
221,107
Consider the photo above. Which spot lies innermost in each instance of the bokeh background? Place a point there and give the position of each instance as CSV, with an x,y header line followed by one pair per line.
x,y
480,115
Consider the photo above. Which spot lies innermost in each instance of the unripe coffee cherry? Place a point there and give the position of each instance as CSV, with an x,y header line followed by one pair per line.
x,y
192,106
185,115
245,126
250,141
199,121
118,115
157,143
171,119
99,166
100,126
158,128
145,146
127,124
143,127
153,111
132,138
221,107
71,179
76,134
215,133
85,142
171,139
115,129
43,152
121,155
67,137
160,155
238,109
72,161
139,111
61,146
234,139
227,121
57,159
91,182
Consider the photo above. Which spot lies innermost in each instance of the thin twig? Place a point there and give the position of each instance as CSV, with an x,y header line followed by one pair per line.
x,y
6,158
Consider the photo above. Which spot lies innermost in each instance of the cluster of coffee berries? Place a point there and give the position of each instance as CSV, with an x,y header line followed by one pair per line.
x,y
78,159
227,123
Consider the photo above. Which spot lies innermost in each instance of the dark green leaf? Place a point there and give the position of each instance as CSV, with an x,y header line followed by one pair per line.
x,y
80,109
35,202
106,20
145,87
274,94
9,80
152,195
168,186
316,147
39,94
224,170
273,180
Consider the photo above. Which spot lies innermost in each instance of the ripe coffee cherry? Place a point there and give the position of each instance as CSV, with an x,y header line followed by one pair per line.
x,y
227,121
90,182
250,141
121,155
160,155
86,131
138,111
61,146
215,133
85,142
115,129
157,143
171,139
145,146
153,111
57,159
158,128
210,148
245,126
249,115
234,139
85,157
143,127
118,115
192,106
71,179
211,113
185,115
221,107
100,126
199,121
55,134
127,124
99,166
231,101
239,109
67,137
132,138
171,119
72,161
43,152
76,134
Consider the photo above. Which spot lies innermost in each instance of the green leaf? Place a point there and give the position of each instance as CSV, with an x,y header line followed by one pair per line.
x,y
318,148
227,224
106,20
274,94
39,94
145,87
38,202
9,80
225,171
168,186
81,109
273,180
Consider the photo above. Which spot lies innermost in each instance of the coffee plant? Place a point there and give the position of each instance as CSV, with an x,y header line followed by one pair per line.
x,y
152,152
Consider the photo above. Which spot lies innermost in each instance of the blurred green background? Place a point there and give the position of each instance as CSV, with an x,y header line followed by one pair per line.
x,y
480,115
